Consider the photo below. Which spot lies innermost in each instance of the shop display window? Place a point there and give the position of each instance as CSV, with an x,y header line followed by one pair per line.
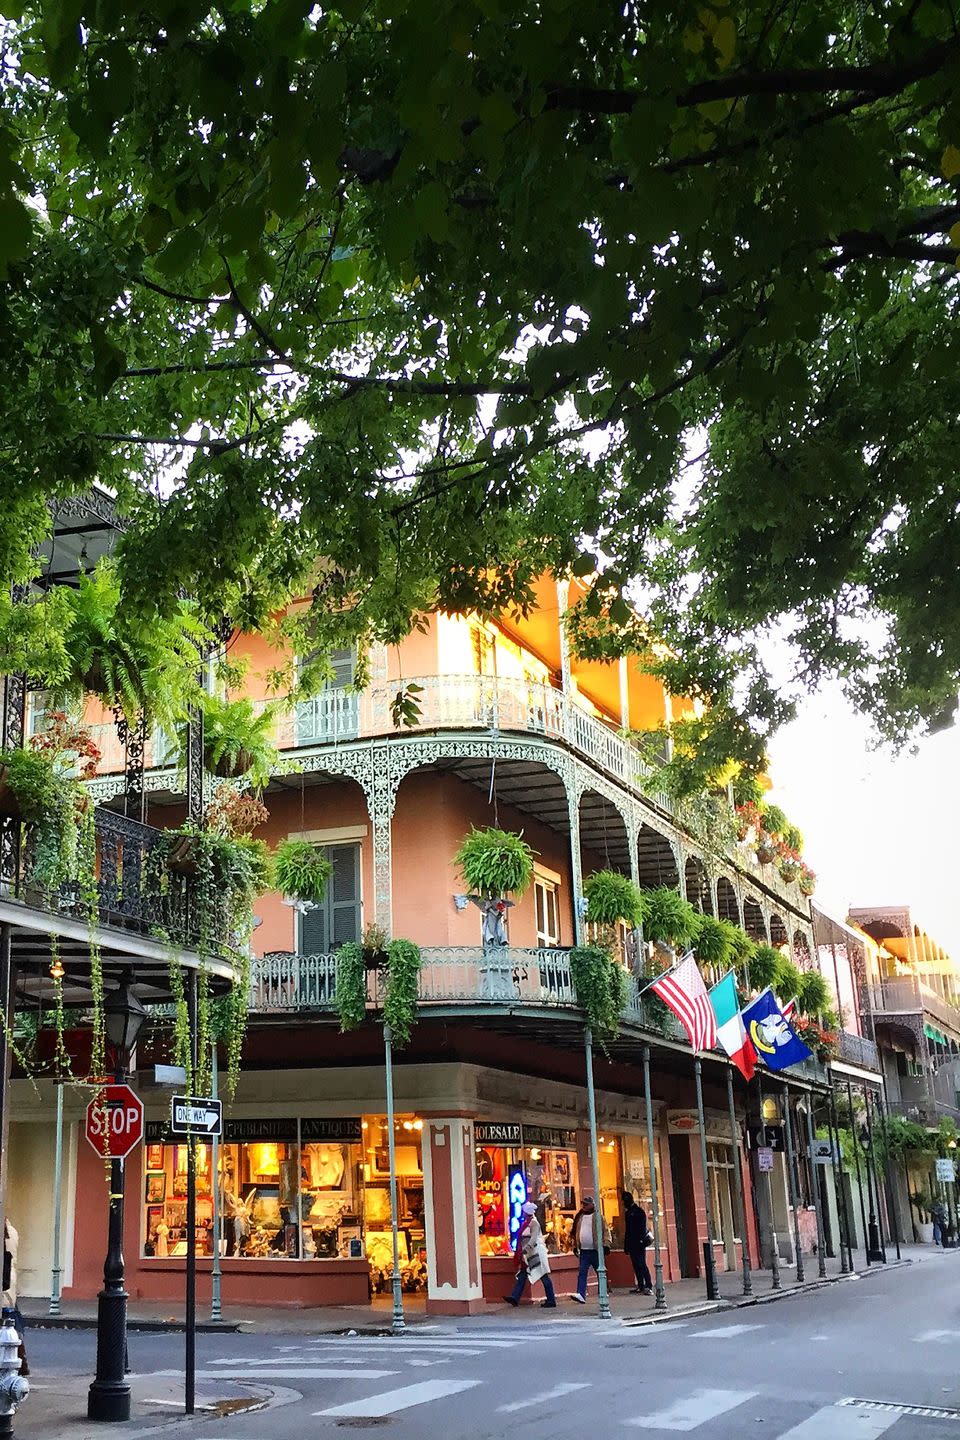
x,y
501,1193
553,1184
378,1240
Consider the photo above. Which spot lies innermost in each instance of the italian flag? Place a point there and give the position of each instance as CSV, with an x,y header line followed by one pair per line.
x,y
731,1034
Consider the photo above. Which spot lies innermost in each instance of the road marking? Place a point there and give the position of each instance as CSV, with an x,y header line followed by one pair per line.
x,y
693,1410
303,1358
391,1401
723,1332
553,1394
284,1372
834,1423
452,1343
927,1412
937,1337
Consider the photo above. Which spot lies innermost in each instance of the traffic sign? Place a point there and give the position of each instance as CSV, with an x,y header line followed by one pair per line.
x,y
114,1123
196,1115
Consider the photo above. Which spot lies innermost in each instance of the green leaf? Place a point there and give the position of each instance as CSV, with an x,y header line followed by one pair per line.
x,y
16,230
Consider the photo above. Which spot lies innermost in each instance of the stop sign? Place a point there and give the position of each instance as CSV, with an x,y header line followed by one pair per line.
x,y
114,1123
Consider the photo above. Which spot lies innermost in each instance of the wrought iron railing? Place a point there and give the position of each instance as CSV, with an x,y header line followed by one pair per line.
x,y
858,1050
134,888
908,994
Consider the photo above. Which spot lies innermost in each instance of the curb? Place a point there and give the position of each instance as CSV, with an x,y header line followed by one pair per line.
x,y
743,1302
145,1327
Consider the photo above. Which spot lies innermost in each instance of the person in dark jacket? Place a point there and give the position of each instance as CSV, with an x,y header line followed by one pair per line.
x,y
635,1241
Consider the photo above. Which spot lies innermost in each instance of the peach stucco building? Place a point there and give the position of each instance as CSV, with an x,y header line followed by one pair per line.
x,y
491,1094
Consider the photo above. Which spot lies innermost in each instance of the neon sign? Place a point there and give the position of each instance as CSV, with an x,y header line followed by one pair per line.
x,y
518,1198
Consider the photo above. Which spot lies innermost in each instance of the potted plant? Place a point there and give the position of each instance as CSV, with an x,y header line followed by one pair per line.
x,y
129,664
495,863
763,967
813,993
924,1223
374,945
301,871
806,880
714,941
237,740
613,899
668,919
766,849
789,865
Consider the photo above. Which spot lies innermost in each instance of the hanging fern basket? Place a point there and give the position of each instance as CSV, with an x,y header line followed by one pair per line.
x,y
230,767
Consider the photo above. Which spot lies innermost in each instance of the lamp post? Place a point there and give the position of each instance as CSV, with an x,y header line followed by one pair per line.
x,y
109,1395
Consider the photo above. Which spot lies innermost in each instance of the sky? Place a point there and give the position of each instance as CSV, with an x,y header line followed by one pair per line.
x,y
879,828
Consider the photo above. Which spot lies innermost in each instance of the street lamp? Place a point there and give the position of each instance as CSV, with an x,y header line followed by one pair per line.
x,y
109,1395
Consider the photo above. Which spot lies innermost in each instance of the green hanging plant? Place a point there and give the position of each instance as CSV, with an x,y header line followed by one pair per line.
x,y
301,870
713,942
668,919
402,988
601,988
741,946
351,991
613,898
763,967
228,1022
813,993
775,821
789,980
239,740
495,862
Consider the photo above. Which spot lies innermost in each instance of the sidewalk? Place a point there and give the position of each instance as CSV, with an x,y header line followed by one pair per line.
x,y
57,1406
684,1297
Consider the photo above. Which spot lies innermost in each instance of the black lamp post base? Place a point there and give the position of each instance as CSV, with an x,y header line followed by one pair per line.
x,y
108,1400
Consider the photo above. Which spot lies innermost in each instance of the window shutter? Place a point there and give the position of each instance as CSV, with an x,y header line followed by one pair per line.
x,y
337,919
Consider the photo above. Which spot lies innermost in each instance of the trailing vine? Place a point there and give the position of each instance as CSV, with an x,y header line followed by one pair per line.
x,y
351,992
182,1047
203,1076
237,1010
400,999
90,900
601,988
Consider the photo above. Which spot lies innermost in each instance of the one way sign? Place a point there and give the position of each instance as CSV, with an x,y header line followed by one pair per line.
x,y
196,1116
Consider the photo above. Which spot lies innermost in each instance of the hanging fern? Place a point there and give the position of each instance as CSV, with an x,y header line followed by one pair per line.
x,y
400,999
741,946
351,992
813,994
302,870
601,989
789,980
713,943
237,740
612,898
763,967
495,862
668,918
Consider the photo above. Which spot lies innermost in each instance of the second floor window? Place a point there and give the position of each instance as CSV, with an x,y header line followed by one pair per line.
x,y
333,713
548,912
322,931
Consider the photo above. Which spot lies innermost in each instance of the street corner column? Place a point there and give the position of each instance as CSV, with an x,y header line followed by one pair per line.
x,y
453,1247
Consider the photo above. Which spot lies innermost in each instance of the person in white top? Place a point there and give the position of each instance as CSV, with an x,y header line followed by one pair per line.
x,y
533,1262
585,1244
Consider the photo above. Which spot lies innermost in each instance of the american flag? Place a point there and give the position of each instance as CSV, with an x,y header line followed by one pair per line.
x,y
682,988
787,1010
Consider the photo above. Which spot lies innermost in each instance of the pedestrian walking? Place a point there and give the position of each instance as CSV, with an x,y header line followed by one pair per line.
x,y
11,1244
636,1238
939,1217
533,1262
585,1244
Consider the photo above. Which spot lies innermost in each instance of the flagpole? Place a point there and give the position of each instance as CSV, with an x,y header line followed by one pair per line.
x,y
738,1174
713,1292
663,975
775,1249
660,1301
792,1181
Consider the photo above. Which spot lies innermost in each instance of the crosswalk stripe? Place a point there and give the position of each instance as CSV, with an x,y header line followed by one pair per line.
x,y
834,1423
546,1395
285,1372
937,1337
401,1347
390,1401
447,1342
722,1332
300,1359
693,1410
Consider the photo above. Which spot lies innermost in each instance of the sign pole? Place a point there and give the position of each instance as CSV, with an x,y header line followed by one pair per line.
x,y
216,1313
738,1175
603,1298
713,1292
190,1306
660,1300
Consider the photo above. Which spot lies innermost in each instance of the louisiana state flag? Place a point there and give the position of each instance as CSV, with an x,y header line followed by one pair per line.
x,y
777,1045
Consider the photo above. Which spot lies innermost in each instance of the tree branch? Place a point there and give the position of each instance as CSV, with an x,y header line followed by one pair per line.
x,y
882,78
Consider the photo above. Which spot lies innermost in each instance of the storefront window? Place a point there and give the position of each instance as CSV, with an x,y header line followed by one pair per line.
x,y
722,1205
289,1189
501,1186
376,1189
553,1182
611,1183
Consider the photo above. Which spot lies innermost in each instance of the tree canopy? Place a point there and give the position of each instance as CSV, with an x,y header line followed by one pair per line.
x,y
402,302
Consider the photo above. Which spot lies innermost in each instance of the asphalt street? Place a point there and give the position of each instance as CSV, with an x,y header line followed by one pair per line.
x,y
867,1358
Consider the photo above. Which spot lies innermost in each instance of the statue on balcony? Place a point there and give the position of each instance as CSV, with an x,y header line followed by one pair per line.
x,y
494,911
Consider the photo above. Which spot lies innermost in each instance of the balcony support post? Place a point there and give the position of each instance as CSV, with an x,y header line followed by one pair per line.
x,y
576,868
815,1184
877,1244
660,1296
856,1157
843,1215
891,1198
563,598
738,1181
398,1324
602,1295
792,1184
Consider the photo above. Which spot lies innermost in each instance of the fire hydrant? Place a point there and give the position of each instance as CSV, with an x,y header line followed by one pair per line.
x,y
14,1389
